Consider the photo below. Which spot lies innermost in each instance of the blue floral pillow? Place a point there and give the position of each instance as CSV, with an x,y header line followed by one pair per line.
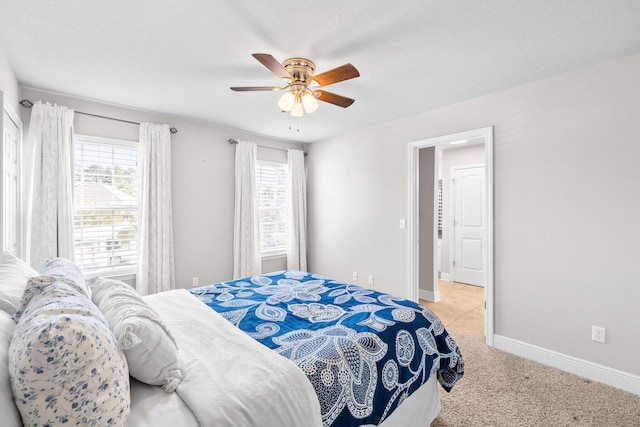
x,y
65,271
64,361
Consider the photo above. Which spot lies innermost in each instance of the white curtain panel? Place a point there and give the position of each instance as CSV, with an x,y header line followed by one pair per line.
x,y
155,250
297,248
49,184
246,231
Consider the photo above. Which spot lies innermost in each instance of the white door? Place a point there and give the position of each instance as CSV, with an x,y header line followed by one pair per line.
x,y
11,226
469,225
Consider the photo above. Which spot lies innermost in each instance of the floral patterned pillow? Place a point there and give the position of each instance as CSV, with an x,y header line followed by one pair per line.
x,y
66,271
64,361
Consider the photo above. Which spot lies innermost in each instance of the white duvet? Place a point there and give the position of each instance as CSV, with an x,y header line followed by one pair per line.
x,y
229,379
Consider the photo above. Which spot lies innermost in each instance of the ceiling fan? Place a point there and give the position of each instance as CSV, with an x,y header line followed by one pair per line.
x,y
302,87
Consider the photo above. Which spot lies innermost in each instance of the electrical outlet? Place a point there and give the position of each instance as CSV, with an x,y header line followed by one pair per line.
x,y
371,279
598,334
195,281
355,276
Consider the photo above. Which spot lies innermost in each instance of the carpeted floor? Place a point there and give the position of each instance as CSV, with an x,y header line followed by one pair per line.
x,y
499,389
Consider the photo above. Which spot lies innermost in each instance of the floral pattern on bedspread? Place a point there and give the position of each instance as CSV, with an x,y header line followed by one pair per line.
x,y
363,351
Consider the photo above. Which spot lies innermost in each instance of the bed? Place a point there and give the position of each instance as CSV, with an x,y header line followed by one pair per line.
x,y
363,351
213,356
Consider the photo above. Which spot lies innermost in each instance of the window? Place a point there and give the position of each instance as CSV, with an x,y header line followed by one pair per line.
x,y
105,204
271,189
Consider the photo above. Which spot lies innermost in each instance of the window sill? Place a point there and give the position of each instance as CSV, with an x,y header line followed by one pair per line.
x,y
122,275
267,257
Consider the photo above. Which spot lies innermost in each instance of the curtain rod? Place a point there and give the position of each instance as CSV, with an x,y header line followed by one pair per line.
x,y
28,104
235,141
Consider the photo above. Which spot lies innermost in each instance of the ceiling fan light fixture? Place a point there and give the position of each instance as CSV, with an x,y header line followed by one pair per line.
x,y
297,110
287,101
309,102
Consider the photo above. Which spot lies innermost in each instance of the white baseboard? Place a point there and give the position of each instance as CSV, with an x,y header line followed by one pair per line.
x,y
429,295
445,276
584,368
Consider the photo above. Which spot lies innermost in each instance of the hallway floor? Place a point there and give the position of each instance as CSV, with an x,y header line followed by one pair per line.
x,y
461,307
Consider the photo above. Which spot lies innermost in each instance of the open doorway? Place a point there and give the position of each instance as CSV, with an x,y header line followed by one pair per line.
x,y
438,250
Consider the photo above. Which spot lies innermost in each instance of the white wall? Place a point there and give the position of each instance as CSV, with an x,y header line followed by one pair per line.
x,y
427,217
8,81
566,206
202,181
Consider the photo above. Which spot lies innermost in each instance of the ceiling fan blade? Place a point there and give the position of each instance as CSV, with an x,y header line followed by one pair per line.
x,y
344,72
250,88
332,98
272,64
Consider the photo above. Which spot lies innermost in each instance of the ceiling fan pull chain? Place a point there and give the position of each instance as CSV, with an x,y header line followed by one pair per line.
x,y
297,124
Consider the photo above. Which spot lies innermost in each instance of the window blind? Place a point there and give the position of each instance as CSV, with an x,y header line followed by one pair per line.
x,y
271,190
105,204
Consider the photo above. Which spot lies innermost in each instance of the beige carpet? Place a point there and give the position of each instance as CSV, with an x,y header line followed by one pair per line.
x,y
499,389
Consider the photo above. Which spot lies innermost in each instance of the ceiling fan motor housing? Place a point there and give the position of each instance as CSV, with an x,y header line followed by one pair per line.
x,y
301,70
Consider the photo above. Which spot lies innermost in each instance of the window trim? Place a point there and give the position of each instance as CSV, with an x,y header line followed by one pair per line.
x,y
126,143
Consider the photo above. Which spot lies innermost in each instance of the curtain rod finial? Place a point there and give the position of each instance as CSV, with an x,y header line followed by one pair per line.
x,y
26,103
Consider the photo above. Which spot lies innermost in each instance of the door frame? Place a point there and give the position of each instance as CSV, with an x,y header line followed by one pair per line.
x,y
15,216
413,216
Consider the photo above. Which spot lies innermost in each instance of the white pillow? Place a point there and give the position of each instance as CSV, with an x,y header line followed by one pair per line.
x,y
64,361
151,351
67,271
14,274
10,414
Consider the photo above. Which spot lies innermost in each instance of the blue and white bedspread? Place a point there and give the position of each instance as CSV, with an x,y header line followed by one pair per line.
x,y
363,351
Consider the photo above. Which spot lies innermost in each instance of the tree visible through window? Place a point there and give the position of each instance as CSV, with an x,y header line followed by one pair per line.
x,y
105,204
271,189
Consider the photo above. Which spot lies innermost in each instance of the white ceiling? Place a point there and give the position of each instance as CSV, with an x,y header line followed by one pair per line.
x,y
179,57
